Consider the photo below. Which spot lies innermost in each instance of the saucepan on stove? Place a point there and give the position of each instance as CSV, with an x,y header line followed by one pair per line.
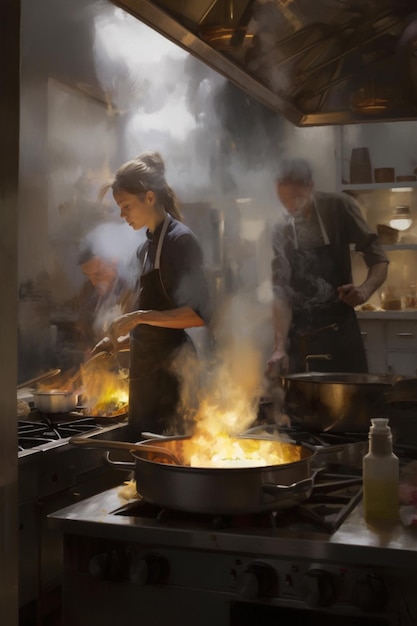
x,y
64,397
342,402
165,477
55,400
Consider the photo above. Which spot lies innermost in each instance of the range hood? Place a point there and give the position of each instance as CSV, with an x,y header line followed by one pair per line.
x,y
315,62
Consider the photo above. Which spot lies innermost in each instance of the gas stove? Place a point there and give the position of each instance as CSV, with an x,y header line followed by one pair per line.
x,y
317,562
124,558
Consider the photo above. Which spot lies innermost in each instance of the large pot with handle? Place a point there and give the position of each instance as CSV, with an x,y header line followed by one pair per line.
x,y
164,478
342,402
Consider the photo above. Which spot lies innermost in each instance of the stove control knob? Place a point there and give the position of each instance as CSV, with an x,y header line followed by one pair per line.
x,y
151,569
110,565
318,588
369,593
259,580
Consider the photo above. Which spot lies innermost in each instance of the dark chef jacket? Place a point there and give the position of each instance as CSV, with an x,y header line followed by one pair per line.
x,y
181,266
336,224
161,357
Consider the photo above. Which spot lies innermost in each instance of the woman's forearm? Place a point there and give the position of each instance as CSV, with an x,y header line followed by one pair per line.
x,y
181,317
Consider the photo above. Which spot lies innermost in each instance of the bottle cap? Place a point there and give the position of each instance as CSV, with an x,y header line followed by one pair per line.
x,y
379,425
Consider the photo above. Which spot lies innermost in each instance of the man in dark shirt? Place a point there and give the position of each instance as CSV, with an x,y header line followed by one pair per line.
x,y
314,296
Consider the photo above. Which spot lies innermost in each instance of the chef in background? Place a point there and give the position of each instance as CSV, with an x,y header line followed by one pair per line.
x,y
314,296
173,295
105,295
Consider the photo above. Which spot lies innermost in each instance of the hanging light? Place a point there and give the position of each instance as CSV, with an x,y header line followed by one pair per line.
x,y
401,218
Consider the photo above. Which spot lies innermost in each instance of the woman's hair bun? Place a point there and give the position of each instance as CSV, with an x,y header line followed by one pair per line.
x,y
153,160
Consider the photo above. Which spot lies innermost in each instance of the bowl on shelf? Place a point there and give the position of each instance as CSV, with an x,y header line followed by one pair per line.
x,y
387,235
409,178
384,174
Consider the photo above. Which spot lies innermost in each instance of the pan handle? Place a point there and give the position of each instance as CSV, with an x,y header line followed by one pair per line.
x,y
85,441
300,487
39,378
149,435
120,465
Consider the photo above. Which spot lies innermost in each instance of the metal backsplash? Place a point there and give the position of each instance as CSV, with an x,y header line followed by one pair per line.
x,y
316,63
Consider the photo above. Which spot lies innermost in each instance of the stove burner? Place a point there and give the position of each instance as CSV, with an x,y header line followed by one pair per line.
x,y
303,436
325,511
32,434
405,451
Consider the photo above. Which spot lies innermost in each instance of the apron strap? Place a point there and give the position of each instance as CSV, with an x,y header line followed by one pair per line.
x,y
161,241
323,231
159,247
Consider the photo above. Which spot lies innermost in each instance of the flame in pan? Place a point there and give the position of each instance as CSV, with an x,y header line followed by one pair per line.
x,y
206,450
105,393
229,407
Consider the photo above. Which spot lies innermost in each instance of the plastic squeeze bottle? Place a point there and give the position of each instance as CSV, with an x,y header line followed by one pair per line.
x,y
380,471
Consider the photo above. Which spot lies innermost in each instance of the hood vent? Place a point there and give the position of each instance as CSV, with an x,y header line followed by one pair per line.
x,y
316,63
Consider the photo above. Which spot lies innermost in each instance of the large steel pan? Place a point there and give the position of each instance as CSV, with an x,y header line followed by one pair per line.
x,y
162,479
342,402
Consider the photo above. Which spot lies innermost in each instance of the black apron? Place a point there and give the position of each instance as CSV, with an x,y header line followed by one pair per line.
x,y
154,384
312,330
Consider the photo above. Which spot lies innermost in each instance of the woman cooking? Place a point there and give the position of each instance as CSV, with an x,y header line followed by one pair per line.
x,y
172,295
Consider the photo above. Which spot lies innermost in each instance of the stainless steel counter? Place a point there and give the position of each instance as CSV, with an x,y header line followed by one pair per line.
x,y
356,542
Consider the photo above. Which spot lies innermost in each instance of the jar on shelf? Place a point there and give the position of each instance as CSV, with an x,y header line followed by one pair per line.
x,y
360,166
391,298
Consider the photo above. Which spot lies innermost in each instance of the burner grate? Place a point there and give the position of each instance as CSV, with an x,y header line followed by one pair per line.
x,y
32,434
328,512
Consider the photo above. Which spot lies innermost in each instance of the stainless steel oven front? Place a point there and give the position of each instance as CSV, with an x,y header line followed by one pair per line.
x,y
109,580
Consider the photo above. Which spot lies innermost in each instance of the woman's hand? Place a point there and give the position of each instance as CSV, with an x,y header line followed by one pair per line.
x,y
121,326
107,344
104,345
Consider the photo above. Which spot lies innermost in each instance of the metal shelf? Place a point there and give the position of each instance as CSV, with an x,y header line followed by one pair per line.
x,y
376,186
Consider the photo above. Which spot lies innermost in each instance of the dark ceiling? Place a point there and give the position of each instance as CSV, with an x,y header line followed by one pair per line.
x,y
314,61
